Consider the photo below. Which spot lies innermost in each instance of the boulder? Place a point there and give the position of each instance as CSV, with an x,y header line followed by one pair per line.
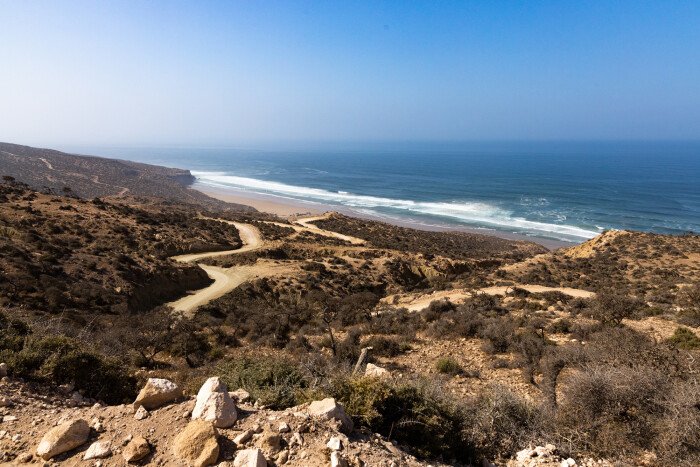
x,y
63,438
197,445
136,449
376,371
214,404
98,450
250,458
329,409
157,392
239,395
3,369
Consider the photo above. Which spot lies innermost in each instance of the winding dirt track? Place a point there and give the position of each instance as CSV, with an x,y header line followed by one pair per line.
x,y
225,279
303,224
419,302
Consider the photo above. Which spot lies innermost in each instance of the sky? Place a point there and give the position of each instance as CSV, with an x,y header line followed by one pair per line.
x,y
213,73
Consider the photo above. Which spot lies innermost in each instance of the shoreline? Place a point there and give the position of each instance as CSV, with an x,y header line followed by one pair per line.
x,y
288,207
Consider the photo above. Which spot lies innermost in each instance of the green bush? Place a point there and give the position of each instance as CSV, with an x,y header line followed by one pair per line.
x,y
415,414
684,338
448,365
62,360
276,382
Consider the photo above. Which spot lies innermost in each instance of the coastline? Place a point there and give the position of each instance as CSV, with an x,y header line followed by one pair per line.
x,y
288,207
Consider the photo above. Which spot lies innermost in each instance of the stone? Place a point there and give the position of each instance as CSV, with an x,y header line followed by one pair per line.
x,y
282,457
329,409
250,458
376,371
239,395
24,458
98,450
568,462
9,418
63,438
337,460
243,437
284,428
215,405
269,442
5,401
136,449
156,393
141,413
3,370
197,445
334,444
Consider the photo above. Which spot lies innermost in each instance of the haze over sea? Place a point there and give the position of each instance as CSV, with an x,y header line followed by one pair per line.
x,y
564,191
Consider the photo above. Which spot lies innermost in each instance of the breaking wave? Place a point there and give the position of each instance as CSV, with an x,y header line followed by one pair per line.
x,y
471,213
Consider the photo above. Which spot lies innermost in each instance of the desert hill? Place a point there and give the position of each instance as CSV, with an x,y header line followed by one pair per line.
x,y
90,176
440,348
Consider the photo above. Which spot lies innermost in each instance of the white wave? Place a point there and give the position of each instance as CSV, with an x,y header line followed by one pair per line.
x,y
466,212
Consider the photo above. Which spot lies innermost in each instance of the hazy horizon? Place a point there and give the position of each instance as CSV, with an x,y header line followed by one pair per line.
x,y
259,74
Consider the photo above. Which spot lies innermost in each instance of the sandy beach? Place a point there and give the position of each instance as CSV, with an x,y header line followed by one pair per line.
x,y
287,207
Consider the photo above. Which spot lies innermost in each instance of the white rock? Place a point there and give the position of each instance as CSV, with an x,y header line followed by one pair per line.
x,y
334,444
239,395
214,404
141,413
376,371
329,409
337,460
62,438
98,450
243,437
9,418
250,458
157,392
283,428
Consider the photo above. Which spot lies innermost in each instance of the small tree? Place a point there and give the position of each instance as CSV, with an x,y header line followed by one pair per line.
x,y
612,308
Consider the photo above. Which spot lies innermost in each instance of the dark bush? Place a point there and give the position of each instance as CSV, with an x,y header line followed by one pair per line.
x,y
275,381
684,338
448,365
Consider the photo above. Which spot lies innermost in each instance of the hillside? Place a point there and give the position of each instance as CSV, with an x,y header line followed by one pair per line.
x,y
90,177
477,349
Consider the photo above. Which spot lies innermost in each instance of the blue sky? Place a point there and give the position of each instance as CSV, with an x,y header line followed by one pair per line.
x,y
227,73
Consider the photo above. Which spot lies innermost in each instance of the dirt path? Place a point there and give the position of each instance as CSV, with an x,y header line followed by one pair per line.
x,y
304,224
419,302
225,279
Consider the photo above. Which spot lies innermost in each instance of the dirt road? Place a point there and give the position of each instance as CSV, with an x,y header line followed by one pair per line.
x,y
225,279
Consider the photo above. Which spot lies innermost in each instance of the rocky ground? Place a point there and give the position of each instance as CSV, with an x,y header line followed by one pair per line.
x,y
169,434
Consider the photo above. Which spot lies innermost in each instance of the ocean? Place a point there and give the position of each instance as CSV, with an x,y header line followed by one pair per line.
x,y
568,192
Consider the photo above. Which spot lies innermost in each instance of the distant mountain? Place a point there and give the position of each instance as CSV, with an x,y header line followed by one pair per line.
x,y
90,176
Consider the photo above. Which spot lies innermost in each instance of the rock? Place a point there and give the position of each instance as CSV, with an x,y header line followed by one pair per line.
x,y
568,462
284,428
98,450
3,370
376,371
296,439
334,444
197,444
269,442
239,395
62,438
243,437
9,418
337,460
250,458
157,392
214,404
329,409
282,457
5,401
25,458
141,413
136,449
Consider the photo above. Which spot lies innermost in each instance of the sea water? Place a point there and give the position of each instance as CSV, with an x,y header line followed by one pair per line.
x,y
568,191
